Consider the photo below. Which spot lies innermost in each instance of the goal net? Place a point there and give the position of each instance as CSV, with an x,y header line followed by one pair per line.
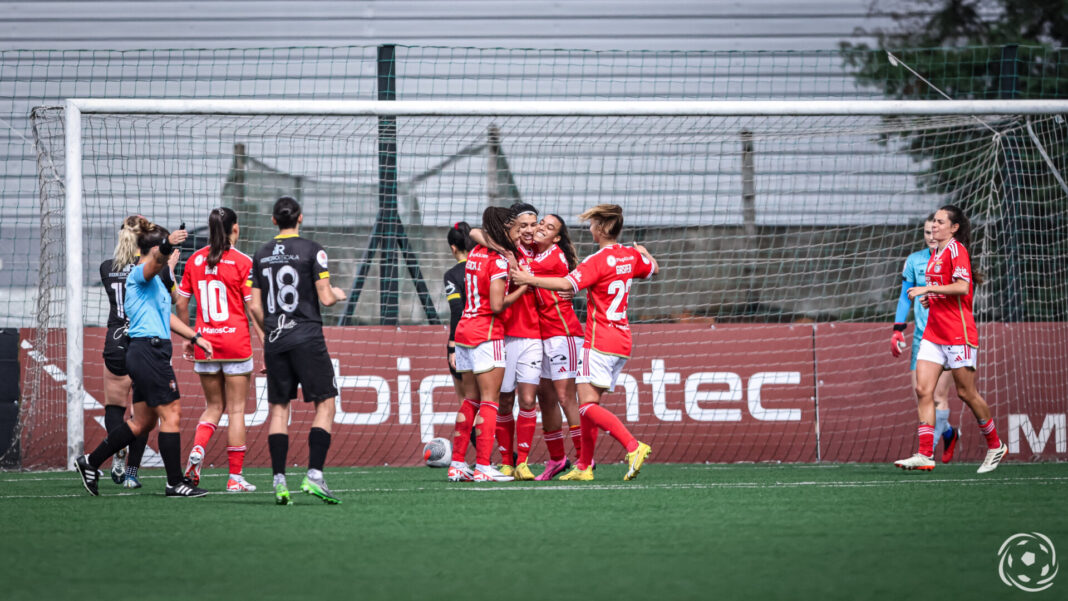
x,y
765,337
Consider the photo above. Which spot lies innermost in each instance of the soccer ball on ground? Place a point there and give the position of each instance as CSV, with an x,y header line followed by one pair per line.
x,y
438,453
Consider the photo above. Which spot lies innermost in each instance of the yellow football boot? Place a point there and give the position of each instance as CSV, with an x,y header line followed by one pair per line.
x,y
636,459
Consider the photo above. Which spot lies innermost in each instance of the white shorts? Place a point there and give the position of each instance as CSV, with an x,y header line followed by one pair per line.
x,y
485,357
560,357
949,356
230,368
523,362
599,369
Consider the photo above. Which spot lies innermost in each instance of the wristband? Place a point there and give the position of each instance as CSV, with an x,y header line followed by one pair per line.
x,y
900,327
195,337
166,248
452,350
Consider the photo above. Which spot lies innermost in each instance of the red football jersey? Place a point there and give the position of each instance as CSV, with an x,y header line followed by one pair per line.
x,y
221,294
478,324
556,316
949,318
521,319
608,274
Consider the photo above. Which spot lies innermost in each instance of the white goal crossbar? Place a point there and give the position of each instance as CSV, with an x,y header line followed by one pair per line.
x,y
74,108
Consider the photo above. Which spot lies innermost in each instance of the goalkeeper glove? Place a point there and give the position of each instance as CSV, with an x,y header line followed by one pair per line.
x,y
897,341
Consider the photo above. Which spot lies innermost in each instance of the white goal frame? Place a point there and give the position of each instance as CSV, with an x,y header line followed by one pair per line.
x,y
74,109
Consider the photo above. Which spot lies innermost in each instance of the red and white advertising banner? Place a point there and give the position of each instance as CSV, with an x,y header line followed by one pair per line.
x,y
696,393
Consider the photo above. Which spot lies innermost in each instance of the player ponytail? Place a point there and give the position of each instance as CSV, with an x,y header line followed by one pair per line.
x,y
495,224
565,243
221,222
126,246
460,236
964,234
609,219
286,212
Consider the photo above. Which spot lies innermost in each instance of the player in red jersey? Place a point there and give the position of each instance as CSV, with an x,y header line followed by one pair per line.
x,y
608,274
951,340
522,344
480,353
561,339
218,276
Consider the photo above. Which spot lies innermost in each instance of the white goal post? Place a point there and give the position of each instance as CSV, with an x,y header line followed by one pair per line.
x,y
75,108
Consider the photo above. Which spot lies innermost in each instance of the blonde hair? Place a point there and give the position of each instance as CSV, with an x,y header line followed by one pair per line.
x,y
126,250
609,219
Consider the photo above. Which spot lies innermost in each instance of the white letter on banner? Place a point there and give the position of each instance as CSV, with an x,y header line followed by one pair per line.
x,y
354,418
404,391
772,377
630,395
657,380
694,396
1053,424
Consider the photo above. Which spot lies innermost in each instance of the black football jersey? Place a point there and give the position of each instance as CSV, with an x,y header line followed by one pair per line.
x,y
455,294
115,285
285,270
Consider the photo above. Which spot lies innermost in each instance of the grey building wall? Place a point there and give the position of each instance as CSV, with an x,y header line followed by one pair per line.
x,y
593,24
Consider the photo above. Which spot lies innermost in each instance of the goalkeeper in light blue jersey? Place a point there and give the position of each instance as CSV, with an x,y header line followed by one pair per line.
x,y
913,275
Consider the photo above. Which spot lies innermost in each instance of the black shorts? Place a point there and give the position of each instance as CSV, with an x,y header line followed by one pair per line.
x,y
149,363
115,344
308,365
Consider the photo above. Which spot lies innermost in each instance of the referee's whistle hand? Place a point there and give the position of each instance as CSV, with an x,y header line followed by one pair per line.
x,y
177,237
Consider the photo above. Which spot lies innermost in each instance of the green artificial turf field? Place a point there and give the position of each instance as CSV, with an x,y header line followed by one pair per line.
x,y
677,532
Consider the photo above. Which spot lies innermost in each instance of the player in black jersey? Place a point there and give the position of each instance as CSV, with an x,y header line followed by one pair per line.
x,y
117,384
460,244
290,279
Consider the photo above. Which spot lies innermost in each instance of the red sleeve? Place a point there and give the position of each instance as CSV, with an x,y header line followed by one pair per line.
x,y
643,267
586,274
498,267
245,271
186,287
962,265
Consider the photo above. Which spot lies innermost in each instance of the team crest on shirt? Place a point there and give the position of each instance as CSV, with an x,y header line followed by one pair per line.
x,y
199,260
937,268
611,260
321,258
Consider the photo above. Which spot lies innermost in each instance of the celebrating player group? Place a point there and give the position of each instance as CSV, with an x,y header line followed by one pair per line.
x,y
518,334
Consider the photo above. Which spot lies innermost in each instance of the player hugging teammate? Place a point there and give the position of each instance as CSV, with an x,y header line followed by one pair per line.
x,y
516,250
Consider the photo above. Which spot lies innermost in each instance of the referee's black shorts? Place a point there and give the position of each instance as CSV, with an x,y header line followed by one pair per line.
x,y
115,345
149,363
307,365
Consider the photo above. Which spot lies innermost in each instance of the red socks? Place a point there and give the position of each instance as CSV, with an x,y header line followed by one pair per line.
x,y
487,411
993,441
576,439
236,456
203,435
554,441
462,435
505,437
926,433
595,417
524,433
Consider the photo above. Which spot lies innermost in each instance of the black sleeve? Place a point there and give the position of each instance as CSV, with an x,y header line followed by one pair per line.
x,y
454,294
105,268
167,277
